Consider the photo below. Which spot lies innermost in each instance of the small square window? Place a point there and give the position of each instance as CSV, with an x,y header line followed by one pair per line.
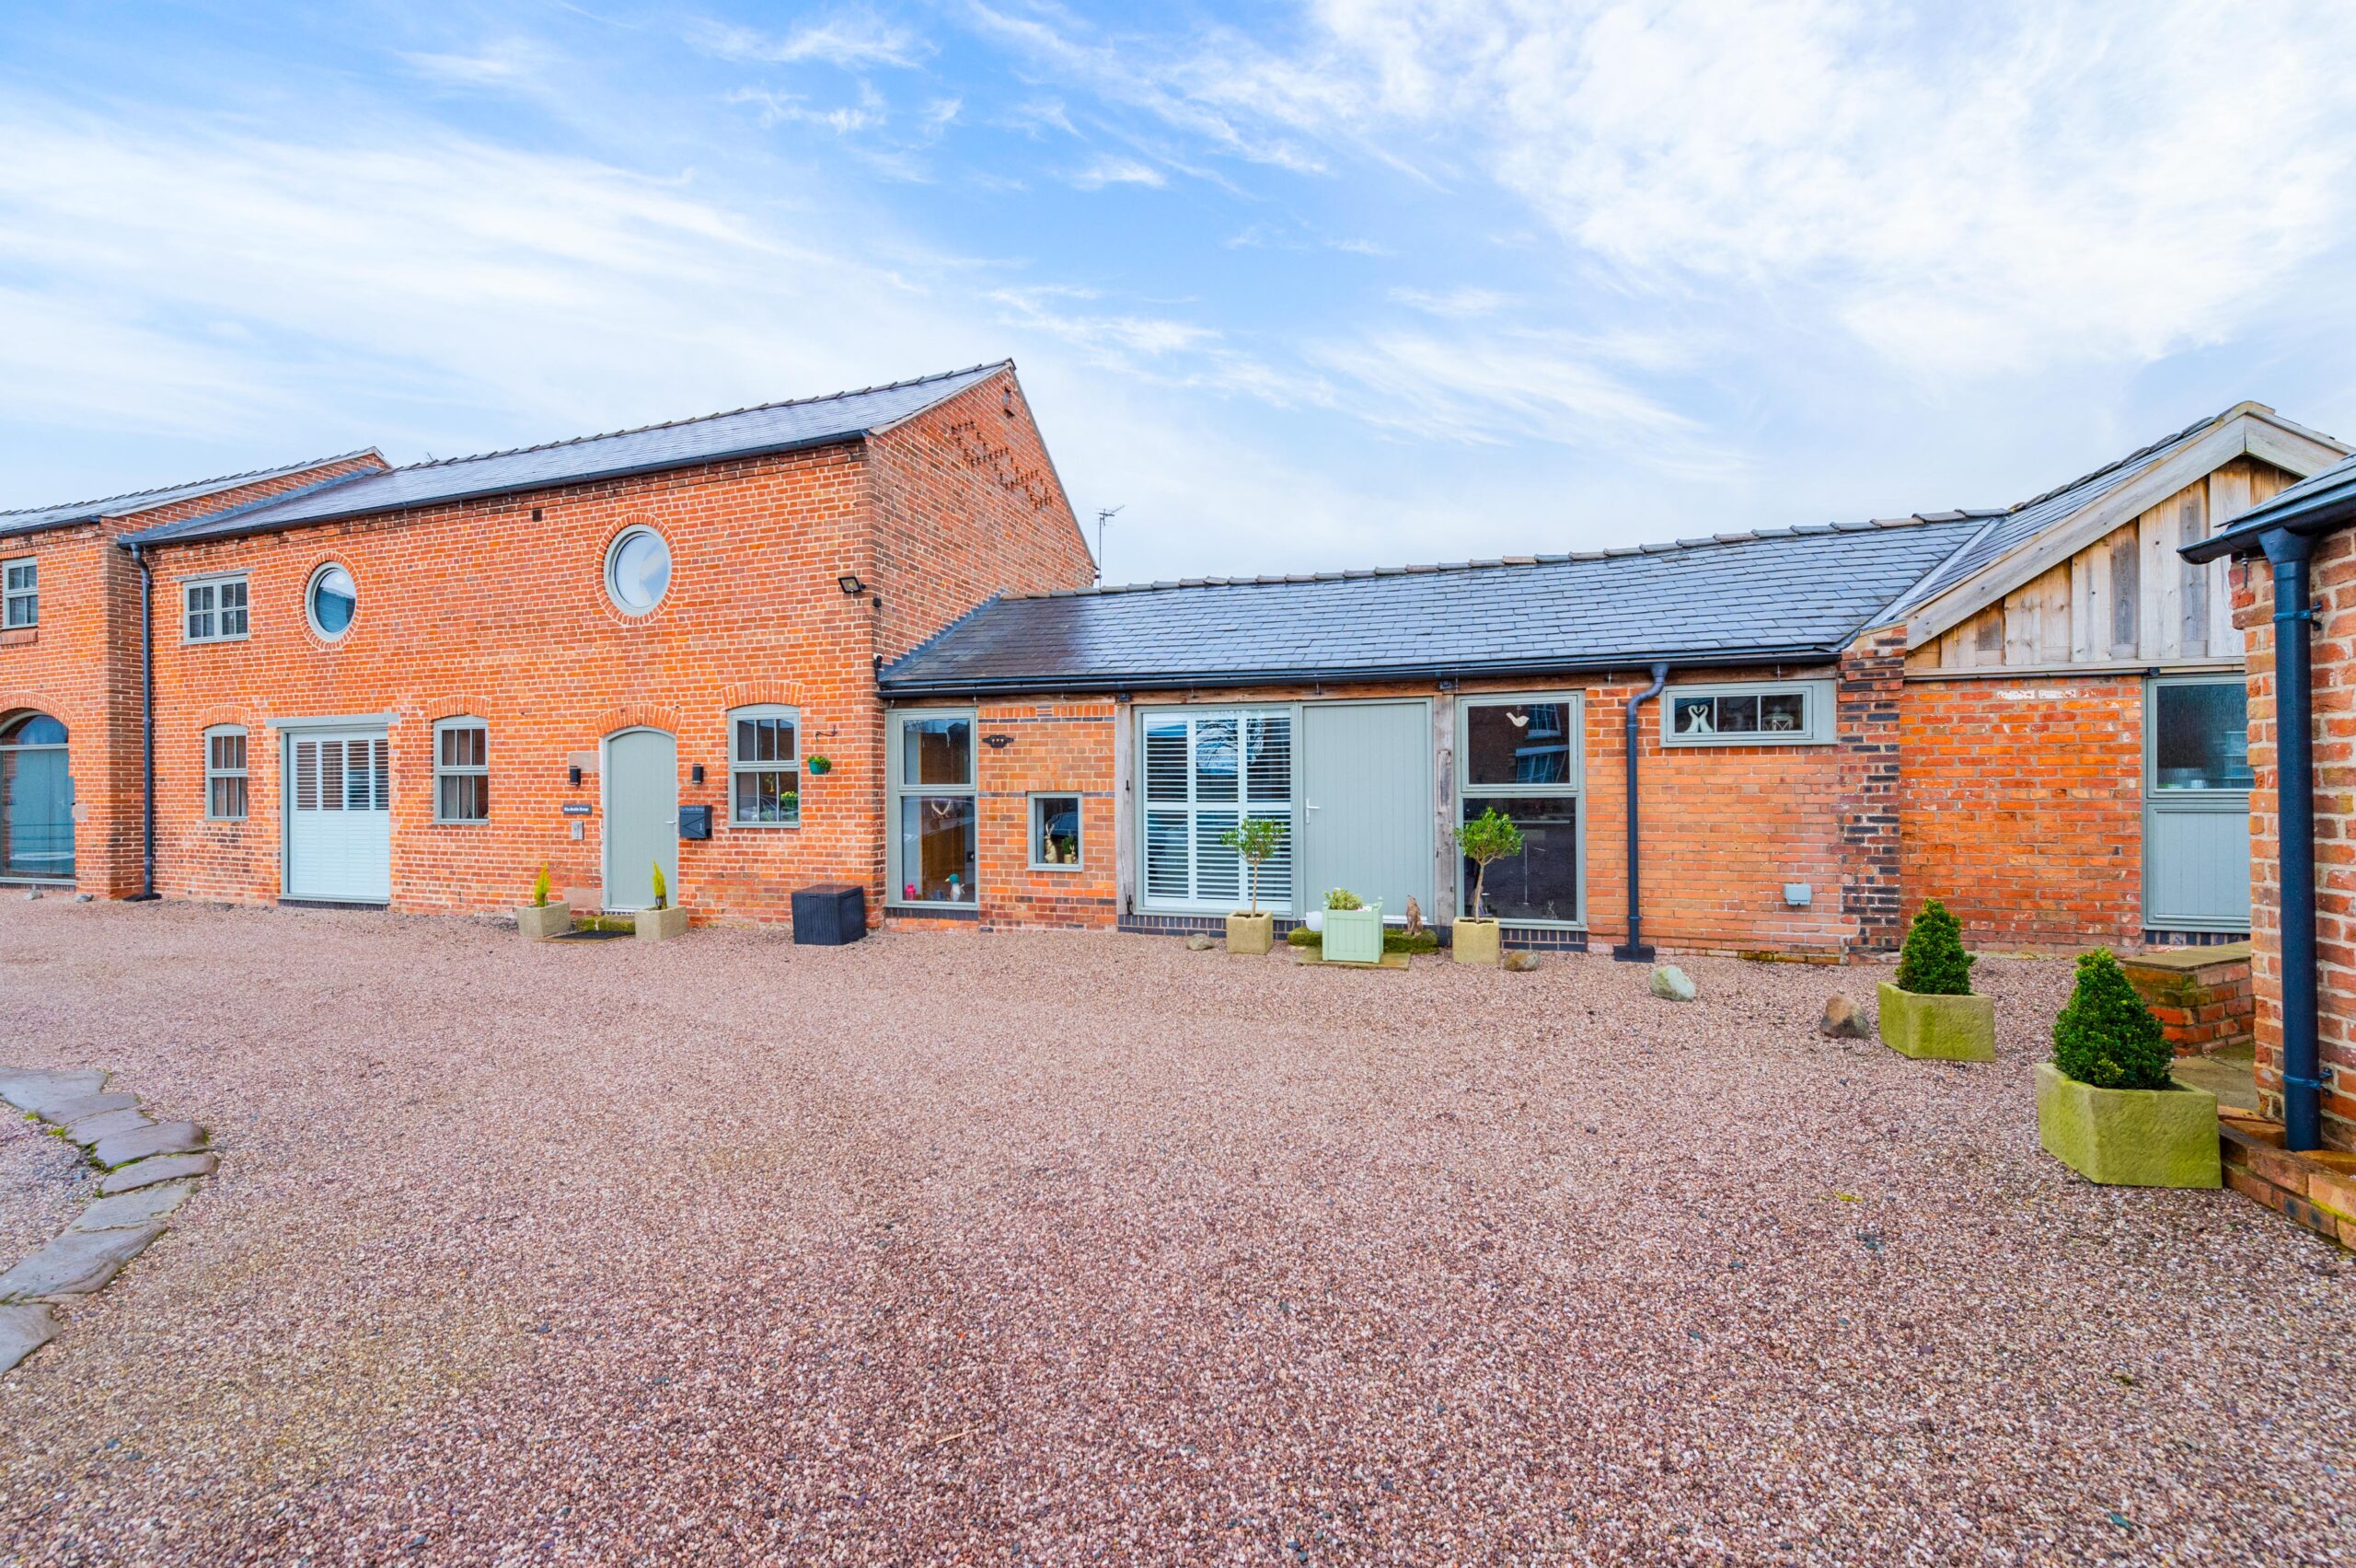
x,y
23,580
213,610
1055,833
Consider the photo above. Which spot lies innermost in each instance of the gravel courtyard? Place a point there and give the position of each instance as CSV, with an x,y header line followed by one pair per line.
x,y
1047,1249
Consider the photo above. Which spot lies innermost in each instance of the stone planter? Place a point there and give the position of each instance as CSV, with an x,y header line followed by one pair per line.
x,y
1250,933
538,922
1354,936
662,925
1948,1028
2129,1138
1474,941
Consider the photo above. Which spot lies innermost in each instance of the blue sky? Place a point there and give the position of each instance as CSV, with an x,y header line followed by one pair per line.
x,y
1341,284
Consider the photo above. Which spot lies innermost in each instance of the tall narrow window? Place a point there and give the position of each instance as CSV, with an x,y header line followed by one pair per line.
x,y
225,773
461,771
23,579
1204,773
763,767
215,609
1523,758
934,846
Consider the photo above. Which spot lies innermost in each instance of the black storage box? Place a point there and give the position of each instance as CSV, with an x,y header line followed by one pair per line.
x,y
695,821
829,914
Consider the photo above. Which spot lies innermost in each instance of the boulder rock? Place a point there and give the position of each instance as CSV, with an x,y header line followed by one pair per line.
x,y
1522,961
1673,983
1843,1020
1199,944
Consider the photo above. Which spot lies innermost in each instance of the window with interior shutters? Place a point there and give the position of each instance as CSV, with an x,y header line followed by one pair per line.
x,y
1204,773
224,774
461,771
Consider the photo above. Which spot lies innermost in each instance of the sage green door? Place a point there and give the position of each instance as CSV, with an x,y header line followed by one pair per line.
x,y
642,817
1366,772
2196,804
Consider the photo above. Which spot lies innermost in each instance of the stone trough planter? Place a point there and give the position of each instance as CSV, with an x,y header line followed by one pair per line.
x,y
2129,1138
539,922
1474,941
1946,1029
662,925
1250,933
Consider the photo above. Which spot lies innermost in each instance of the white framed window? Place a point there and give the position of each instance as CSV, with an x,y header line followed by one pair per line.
x,y
1055,833
461,771
1524,758
1765,713
225,773
934,841
637,570
764,767
330,599
214,609
23,580
1205,771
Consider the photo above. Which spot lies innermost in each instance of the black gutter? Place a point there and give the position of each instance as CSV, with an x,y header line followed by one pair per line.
x,y
1188,680
2294,836
1634,950
147,725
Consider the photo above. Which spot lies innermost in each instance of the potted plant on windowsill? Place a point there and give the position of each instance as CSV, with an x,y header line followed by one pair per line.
x,y
544,917
661,923
2106,1104
1488,837
1353,932
1254,838
1931,1011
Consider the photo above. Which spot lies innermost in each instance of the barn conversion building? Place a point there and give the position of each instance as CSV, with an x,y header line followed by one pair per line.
x,y
852,638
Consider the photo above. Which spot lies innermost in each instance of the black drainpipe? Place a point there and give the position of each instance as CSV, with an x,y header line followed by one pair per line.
x,y
1634,950
2294,836
146,727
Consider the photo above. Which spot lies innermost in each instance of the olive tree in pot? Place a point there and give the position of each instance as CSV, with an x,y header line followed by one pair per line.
x,y
1931,1011
663,922
544,917
2106,1105
1487,838
1254,838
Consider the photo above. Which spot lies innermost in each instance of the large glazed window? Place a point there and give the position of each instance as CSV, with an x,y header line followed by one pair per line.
x,y
763,767
934,840
36,800
1523,758
1205,771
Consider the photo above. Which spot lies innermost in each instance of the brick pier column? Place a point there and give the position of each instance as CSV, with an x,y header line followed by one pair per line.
x,y
1873,678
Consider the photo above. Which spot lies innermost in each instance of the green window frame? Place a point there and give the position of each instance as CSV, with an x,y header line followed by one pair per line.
x,y
764,767
1199,772
1749,714
461,771
22,578
214,609
932,836
225,773
1057,827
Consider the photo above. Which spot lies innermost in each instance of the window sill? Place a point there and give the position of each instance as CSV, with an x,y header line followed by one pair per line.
x,y
1059,866
461,821
1720,743
20,636
761,826
210,642
933,911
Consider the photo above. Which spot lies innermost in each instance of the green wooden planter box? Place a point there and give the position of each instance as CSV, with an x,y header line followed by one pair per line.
x,y
2129,1138
1354,936
1948,1028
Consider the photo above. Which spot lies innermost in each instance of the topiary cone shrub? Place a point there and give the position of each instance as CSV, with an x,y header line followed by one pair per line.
x,y
2105,1036
1932,963
1931,1012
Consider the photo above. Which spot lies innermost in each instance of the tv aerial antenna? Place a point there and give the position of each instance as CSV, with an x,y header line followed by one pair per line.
x,y
1103,515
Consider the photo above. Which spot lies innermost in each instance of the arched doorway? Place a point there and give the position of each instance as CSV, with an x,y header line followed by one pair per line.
x,y
642,825
36,800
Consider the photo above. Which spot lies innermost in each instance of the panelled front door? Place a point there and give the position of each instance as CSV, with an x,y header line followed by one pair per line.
x,y
2196,804
1367,788
642,817
339,816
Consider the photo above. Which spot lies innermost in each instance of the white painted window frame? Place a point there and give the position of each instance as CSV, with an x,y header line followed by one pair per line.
x,y
1080,829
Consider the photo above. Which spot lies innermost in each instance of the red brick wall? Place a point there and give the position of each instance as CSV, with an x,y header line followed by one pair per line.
x,y
478,608
80,666
2023,807
2333,580
1059,747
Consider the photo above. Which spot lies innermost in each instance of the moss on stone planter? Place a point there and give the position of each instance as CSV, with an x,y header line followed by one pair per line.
x,y
1946,1029
2129,1138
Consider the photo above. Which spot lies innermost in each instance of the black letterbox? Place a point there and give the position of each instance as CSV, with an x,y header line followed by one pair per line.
x,y
695,821
829,914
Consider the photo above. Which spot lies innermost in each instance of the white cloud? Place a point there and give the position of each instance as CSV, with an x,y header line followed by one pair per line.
x,y
850,41
1107,169
1455,303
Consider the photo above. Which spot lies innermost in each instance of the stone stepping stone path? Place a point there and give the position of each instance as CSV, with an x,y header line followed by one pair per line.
x,y
151,1170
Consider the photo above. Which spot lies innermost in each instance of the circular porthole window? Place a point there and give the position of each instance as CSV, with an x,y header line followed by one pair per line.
x,y
637,570
331,601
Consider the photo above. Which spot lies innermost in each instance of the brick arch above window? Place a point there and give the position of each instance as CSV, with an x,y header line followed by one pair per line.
x,y
638,716
755,694
222,713
453,705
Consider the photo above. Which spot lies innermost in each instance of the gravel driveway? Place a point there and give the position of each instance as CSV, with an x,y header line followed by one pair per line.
x,y
1045,1249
